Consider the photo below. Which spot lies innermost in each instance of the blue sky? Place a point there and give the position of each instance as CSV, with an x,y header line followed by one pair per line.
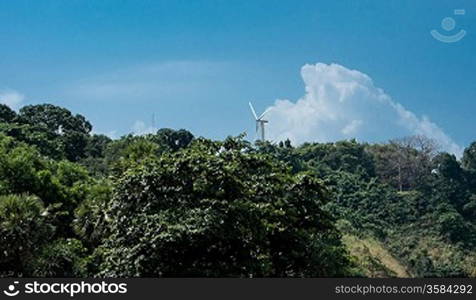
x,y
196,64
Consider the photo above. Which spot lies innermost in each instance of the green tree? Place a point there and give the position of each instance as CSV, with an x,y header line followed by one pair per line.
x,y
469,157
63,185
469,209
452,225
134,153
45,141
61,258
24,228
172,140
54,118
91,220
404,163
348,156
19,165
70,131
7,115
212,209
96,145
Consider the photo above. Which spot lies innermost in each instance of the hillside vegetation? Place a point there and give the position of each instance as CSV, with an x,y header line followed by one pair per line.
x,y
169,204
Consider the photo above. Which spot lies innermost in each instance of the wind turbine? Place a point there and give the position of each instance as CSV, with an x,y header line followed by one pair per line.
x,y
259,121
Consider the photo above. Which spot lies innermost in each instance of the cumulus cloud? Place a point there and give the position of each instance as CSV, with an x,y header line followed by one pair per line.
x,y
140,128
11,98
340,103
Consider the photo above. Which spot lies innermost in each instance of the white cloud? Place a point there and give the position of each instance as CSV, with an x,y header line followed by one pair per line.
x,y
140,128
352,127
11,98
340,103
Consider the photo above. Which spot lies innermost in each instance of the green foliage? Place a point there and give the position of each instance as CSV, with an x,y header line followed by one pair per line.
x,y
448,166
19,165
469,209
404,163
96,146
413,193
469,157
54,130
24,227
167,204
46,142
91,218
6,113
62,258
373,259
452,224
172,140
346,156
284,152
54,118
213,210
62,185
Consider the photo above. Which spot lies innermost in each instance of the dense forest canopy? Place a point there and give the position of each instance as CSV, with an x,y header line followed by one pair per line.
x,y
73,203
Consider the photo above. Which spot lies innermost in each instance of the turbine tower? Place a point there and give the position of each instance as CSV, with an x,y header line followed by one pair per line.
x,y
260,122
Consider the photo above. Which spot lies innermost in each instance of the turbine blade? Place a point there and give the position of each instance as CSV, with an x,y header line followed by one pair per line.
x,y
265,112
253,110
